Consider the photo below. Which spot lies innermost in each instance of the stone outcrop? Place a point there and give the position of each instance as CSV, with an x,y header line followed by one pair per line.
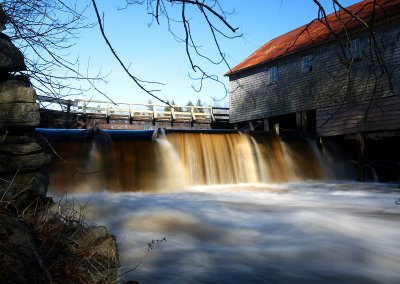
x,y
38,243
19,258
55,250
22,159
18,107
97,243
23,189
11,59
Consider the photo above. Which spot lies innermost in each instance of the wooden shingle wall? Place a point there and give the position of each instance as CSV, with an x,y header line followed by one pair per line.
x,y
344,99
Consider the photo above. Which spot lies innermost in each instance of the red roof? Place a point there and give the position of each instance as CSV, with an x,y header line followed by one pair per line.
x,y
317,31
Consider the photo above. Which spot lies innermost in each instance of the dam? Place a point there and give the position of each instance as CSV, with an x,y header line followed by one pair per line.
x,y
224,207
118,160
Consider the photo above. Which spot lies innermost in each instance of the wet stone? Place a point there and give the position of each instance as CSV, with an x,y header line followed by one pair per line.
x,y
19,149
7,138
13,163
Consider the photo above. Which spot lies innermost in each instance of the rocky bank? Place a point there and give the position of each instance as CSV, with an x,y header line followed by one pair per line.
x,y
40,241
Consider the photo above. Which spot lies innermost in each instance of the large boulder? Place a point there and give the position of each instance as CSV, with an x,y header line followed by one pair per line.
x,y
20,149
53,247
22,189
7,138
13,163
16,92
3,18
82,253
100,249
19,115
19,258
18,107
11,58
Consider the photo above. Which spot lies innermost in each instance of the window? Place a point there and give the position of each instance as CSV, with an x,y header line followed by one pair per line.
x,y
356,48
351,50
272,75
307,65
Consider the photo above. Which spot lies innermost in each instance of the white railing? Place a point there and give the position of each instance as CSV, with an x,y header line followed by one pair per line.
x,y
140,112
147,112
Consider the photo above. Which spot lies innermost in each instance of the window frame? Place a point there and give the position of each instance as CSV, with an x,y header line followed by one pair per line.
x,y
351,50
272,74
355,48
307,63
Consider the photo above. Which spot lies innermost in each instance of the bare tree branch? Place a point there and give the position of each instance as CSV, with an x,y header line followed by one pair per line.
x,y
137,81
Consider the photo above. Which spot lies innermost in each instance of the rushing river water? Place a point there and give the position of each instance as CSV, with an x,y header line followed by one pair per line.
x,y
256,233
231,207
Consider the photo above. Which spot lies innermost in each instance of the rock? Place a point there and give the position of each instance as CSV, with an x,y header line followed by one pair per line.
x,y
97,251
24,188
18,95
19,149
7,138
11,59
20,262
97,244
14,233
16,90
80,253
19,115
49,212
13,163
9,81
3,18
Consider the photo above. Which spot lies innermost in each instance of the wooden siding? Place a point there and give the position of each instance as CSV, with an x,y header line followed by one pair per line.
x,y
326,89
382,114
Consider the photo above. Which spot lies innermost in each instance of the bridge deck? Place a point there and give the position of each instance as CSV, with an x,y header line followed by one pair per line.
x,y
96,109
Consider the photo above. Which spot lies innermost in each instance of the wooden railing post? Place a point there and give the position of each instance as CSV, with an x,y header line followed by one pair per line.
x,y
154,115
107,114
193,120
172,115
69,103
130,114
212,114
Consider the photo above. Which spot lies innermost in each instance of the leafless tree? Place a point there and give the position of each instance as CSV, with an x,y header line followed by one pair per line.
x,y
214,18
45,30
380,69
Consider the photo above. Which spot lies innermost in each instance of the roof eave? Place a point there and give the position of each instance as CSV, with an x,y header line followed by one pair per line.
x,y
323,42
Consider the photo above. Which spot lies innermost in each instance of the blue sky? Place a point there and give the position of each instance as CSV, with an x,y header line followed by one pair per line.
x,y
154,55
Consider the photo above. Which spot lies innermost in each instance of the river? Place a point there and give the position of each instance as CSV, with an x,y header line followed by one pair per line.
x,y
307,232
229,208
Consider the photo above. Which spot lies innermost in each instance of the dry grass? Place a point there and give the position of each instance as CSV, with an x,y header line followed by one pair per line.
x,y
59,246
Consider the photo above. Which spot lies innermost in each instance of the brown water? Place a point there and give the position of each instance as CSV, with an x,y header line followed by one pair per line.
x,y
231,209
174,161
306,232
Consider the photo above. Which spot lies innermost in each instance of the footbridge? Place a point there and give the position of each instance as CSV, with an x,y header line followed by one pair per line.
x,y
81,113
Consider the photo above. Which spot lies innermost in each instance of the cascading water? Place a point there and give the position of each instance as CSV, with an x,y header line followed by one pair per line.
x,y
172,161
215,158
168,164
233,208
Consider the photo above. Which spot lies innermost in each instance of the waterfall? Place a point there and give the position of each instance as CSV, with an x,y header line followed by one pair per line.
x,y
173,161
169,165
215,158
